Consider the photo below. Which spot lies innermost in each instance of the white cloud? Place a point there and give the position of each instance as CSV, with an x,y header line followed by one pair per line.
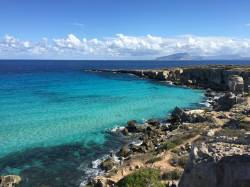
x,y
122,46
247,24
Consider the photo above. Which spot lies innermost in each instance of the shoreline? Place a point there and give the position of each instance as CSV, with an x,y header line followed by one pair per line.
x,y
135,142
189,125
134,137
122,170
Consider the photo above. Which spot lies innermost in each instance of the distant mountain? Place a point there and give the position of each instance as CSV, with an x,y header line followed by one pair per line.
x,y
187,56
179,56
225,57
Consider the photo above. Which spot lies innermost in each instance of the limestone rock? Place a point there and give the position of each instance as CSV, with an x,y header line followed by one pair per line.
x,y
179,115
107,164
124,151
10,181
236,84
210,133
226,102
217,165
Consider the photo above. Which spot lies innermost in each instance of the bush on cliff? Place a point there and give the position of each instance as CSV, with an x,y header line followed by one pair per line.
x,y
172,175
143,177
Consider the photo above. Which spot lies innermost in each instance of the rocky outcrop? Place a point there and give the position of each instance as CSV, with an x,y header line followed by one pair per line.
x,y
10,181
179,116
225,102
107,164
236,84
221,78
217,165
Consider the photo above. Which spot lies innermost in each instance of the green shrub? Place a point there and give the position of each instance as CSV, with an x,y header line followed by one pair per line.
x,y
168,145
171,144
153,160
177,141
172,175
143,177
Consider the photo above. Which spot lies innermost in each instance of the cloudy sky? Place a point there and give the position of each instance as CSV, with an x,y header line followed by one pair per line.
x,y
118,29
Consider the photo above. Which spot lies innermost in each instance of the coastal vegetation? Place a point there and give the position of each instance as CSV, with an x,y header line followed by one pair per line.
x,y
143,177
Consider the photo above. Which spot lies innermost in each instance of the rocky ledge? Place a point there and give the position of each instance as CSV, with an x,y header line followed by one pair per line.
x,y
191,148
217,77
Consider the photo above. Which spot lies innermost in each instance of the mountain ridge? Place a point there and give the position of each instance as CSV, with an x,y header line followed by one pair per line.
x,y
187,56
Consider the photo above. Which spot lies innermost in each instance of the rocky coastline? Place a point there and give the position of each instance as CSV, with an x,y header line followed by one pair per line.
x,y
206,146
193,147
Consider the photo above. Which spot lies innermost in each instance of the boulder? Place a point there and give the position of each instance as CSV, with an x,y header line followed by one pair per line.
x,y
154,122
124,151
178,115
125,132
107,164
131,126
210,133
136,148
97,183
225,102
10,181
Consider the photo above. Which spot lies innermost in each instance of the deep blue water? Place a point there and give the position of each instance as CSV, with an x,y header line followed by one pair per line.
x,y
54,117
17,66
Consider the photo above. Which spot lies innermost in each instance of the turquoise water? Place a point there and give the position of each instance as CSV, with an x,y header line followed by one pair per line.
x,y
47,109
55,118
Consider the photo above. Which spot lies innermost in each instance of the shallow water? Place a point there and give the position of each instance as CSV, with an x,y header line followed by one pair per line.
x,y
53,123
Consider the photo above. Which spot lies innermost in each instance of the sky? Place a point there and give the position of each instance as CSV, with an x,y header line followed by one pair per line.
x,y
123,29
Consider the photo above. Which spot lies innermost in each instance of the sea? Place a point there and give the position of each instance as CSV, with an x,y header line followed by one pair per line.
x,y
56,119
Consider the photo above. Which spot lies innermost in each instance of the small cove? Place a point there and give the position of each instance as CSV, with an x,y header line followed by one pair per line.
x,y
55,121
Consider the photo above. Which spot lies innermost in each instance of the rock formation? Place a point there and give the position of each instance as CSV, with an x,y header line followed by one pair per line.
x,y
218,165
9,181
222,78
236,84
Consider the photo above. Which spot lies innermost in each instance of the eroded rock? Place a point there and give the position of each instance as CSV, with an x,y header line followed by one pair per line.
x,y
107,164
225,102
236,84
10,181
217,165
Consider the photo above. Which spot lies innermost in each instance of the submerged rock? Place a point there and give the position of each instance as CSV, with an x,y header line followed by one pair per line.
x,y
10,181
